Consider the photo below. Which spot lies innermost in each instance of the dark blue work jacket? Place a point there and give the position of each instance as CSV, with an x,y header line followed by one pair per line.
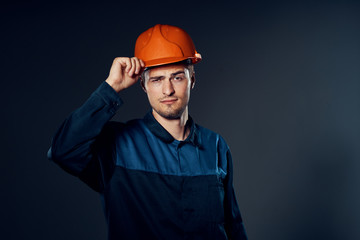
x,y
152,186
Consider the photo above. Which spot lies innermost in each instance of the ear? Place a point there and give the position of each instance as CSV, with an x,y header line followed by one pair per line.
x,y
142,83
192,81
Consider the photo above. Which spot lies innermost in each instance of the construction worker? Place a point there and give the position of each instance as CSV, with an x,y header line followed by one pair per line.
x,y
162,176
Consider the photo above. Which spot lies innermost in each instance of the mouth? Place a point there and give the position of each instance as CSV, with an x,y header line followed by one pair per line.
x,y
168,101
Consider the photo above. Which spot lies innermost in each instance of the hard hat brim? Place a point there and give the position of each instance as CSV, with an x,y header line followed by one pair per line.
x,y
164,61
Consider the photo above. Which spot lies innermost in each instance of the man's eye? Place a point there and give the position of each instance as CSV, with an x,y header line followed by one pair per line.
x,y
154,80
179,78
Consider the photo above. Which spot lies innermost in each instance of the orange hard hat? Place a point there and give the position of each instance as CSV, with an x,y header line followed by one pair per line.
x,y
164,44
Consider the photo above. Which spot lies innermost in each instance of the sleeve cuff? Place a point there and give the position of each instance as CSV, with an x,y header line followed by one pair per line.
x,y
109,95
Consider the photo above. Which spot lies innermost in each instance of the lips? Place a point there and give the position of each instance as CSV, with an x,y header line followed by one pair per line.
x,y
168,100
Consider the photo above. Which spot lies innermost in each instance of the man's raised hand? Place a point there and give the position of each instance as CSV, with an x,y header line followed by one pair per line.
x,y
124,72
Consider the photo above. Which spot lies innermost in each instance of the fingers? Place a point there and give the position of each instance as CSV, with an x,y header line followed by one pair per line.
x,y
119,64
127,62
136,66
132,66
124,72
140,65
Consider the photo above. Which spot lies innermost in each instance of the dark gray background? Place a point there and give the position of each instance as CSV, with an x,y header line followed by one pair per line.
x,y
279,81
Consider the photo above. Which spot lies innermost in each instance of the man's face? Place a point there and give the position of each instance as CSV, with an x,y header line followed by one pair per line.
x,y
168,90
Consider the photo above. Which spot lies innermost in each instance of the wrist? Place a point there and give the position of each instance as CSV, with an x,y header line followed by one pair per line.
x,y
116,87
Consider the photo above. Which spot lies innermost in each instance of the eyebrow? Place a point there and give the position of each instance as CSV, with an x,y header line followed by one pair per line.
x,y
178,72
172,75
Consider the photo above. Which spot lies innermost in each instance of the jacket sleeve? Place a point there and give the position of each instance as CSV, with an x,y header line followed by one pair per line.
x,y
84,138
234,225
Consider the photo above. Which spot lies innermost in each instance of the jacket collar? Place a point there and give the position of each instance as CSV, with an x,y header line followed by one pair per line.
x,y
160,132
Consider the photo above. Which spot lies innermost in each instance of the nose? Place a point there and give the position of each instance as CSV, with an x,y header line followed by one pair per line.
x,y
168,88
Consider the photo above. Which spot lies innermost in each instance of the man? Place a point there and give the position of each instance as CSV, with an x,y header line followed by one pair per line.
x,y
163,176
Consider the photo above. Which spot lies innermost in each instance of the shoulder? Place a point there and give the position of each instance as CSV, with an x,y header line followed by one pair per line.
x,y
114,131
208,135
116,127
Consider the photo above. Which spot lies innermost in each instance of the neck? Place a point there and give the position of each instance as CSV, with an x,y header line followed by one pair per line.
x,y
176,127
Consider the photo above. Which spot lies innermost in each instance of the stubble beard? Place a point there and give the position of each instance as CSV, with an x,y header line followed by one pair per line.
x,y
171,113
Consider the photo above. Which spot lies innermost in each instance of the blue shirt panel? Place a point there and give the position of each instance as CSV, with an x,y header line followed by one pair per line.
x,y
137,148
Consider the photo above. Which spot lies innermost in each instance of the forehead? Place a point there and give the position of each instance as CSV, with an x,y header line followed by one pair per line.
x,y
166,69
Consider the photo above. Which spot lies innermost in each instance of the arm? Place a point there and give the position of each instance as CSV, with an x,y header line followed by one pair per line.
x,y
76,145
233,222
